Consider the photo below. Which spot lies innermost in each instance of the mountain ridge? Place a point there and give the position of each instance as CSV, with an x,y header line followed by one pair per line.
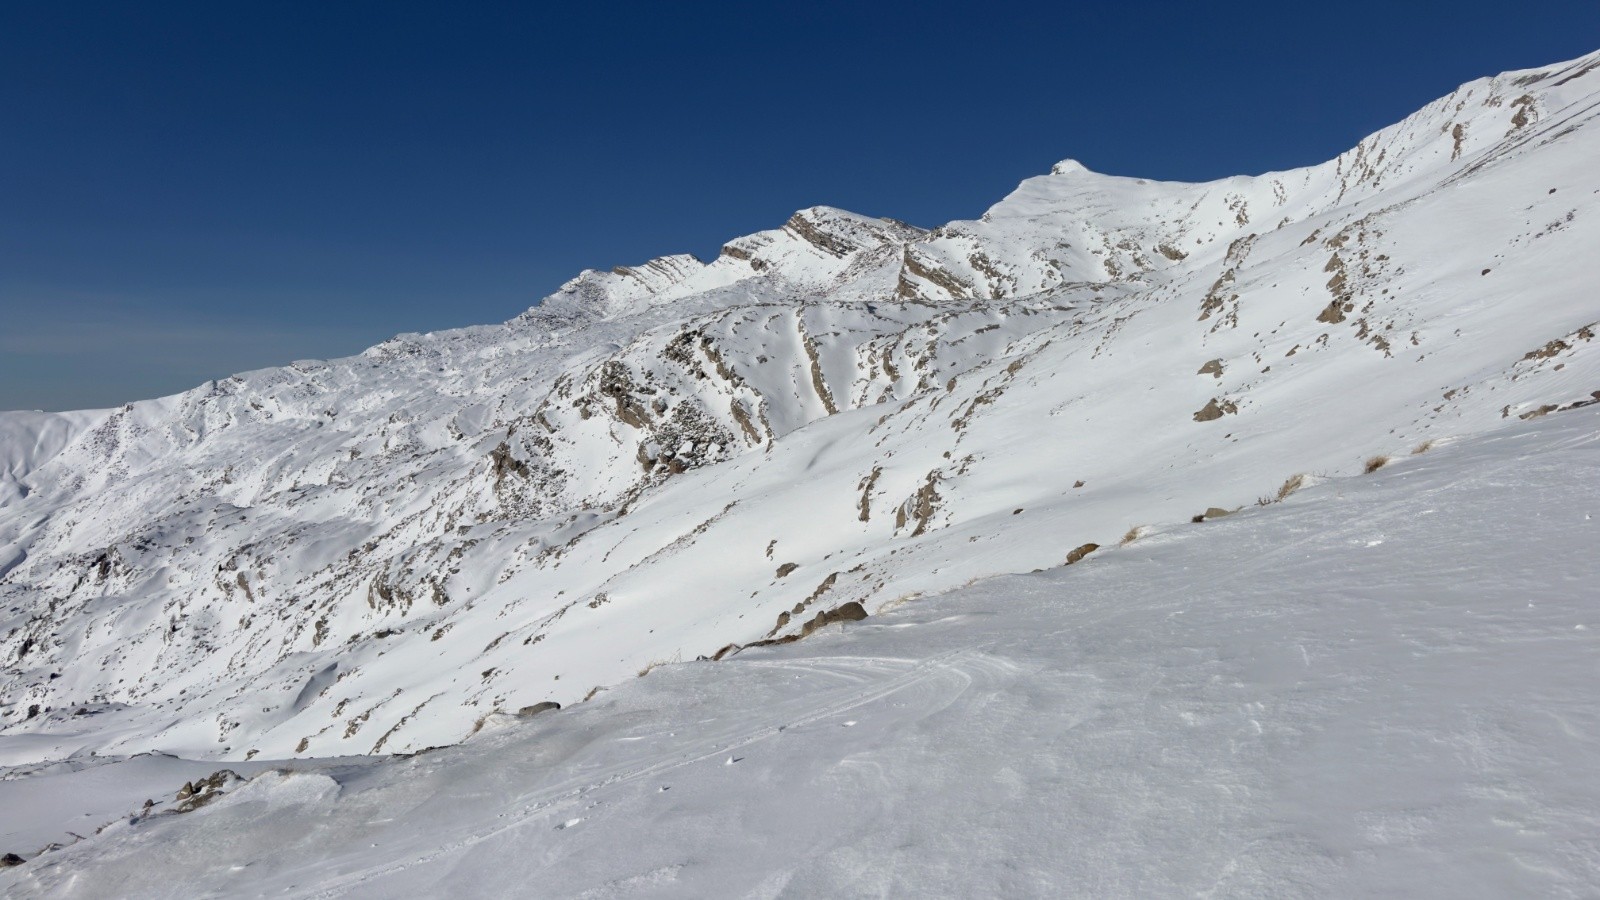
x,y
378,552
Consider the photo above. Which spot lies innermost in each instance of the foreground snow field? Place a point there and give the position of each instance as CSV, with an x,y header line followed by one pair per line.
x,y
1383,685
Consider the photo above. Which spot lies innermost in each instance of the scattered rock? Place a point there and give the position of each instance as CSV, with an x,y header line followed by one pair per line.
x,y
1081,551
195,794
786,568
783,619
537,708
11,859
1215,409
920,507
1334,312
849,612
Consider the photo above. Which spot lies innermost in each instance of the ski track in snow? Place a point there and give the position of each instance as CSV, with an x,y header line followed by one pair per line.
x,y
937,682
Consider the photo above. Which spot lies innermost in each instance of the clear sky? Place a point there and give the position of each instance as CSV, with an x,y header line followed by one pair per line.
x,y
189,190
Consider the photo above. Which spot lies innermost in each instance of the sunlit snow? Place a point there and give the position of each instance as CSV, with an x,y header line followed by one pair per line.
x,y
1227,538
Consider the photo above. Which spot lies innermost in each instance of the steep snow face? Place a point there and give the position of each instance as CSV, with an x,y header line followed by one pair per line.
x,y
373,555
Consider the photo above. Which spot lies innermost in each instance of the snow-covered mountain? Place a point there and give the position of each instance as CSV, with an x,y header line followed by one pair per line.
x,y
1382,686
673,460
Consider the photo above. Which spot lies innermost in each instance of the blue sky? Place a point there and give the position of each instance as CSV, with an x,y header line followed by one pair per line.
x,y
189,190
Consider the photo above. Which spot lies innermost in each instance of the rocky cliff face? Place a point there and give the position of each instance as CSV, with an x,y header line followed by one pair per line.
x,y
370,555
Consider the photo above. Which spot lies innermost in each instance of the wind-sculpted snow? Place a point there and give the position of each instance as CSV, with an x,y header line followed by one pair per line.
x,y
672,460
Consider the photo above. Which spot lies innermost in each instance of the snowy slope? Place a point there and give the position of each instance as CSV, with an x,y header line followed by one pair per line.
x,y
1380,687
375,555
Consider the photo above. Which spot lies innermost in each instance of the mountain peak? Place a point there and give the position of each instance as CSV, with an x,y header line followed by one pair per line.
x,y
1070,167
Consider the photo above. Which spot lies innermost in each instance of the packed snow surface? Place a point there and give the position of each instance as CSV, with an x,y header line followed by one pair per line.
x,y
1381,686
834,422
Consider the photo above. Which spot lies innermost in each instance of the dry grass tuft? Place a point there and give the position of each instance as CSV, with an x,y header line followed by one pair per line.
x,y
1290,485
1423,447
676,658
1133,534
1375,463
902,600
